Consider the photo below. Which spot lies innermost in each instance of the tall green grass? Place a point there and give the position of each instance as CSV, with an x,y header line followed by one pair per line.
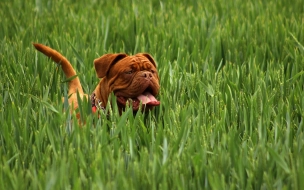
x,y
232,100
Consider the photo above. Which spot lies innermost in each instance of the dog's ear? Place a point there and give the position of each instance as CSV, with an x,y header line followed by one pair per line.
x,y
148,56
103,64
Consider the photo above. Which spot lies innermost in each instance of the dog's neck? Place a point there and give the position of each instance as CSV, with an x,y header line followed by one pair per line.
x,y
101,95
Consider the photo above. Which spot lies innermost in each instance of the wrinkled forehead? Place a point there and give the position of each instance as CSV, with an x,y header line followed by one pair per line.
x,y
137,62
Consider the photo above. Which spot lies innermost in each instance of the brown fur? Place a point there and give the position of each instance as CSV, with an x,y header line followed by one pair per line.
x,y
127,76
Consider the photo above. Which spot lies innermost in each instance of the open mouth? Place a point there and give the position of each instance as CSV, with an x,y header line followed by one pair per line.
x,y
146,99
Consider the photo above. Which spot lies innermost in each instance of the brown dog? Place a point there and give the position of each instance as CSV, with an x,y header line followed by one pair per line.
x,y
133,79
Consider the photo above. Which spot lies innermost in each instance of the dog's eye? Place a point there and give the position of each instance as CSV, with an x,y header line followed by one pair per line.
x,y
152,71
129,72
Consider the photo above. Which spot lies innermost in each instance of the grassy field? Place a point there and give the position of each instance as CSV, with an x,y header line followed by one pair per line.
x,y
232,100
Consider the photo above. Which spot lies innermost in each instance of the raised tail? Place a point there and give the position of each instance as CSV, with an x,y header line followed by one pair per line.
x,y
74,84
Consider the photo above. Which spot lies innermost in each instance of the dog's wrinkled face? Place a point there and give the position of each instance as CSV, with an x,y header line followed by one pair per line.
x,y
133,79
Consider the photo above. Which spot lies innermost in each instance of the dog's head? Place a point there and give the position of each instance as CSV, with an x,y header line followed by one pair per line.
x,y
133,79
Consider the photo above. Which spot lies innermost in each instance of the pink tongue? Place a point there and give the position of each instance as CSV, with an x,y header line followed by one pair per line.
x,y
147,98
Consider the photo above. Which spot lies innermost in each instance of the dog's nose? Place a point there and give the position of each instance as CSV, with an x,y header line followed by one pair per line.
x,y
147,75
